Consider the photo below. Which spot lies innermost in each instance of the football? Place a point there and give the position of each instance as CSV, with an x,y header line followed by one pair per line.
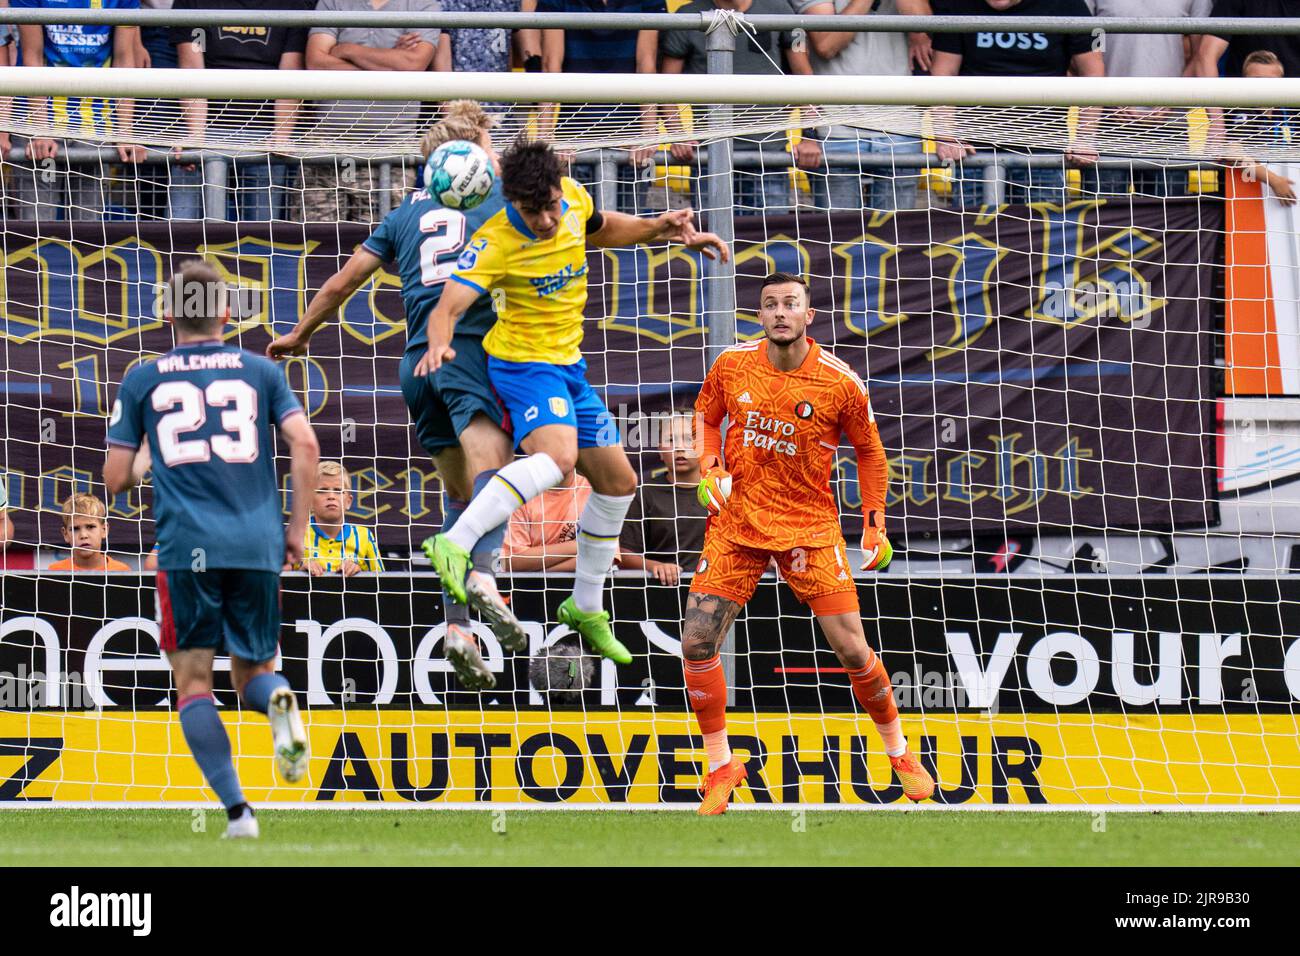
x,y
459,174
562,671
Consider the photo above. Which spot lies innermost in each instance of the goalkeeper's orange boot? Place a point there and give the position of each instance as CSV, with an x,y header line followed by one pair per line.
x,y
718,786
916,780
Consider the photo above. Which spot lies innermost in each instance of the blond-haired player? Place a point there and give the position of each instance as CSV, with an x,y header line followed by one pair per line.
x,y
458,418
788,402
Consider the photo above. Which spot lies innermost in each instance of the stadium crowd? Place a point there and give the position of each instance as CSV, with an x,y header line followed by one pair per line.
x,y
275,187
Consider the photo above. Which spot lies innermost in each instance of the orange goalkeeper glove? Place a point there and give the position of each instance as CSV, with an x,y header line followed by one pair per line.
x,y
714,489
876,549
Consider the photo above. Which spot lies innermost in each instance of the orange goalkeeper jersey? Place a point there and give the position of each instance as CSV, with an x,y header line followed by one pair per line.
x,y
783,432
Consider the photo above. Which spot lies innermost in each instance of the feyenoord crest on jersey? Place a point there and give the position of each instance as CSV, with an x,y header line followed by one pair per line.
x,y
803,410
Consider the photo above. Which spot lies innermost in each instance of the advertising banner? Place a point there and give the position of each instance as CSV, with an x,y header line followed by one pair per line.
x,y
1059,690
1038,370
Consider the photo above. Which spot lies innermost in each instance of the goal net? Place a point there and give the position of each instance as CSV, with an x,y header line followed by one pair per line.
x,y
1082,344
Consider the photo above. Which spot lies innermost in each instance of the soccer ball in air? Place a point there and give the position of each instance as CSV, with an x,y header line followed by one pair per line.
x,y
562,671
459,174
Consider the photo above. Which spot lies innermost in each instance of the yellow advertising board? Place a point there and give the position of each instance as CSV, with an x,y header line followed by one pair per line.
x,y
439,757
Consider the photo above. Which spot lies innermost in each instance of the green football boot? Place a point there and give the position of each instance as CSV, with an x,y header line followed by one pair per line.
x,y
595,630
451,561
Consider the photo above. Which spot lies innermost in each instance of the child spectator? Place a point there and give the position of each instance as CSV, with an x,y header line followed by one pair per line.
x,y
1212,47
664,531
333,545
543,533
1260,128
85,528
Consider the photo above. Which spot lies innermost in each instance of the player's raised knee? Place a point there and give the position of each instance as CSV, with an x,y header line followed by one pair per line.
x,y
618,485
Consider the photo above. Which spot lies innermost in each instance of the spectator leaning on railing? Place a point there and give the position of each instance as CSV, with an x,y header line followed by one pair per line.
x,y
1146,54
600,50
348,191
1286,46
333,544
258,184
1247,129
8,57
866,54
758,53
41,191
1019,54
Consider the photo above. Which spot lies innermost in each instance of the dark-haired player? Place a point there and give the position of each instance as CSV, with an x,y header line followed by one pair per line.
x,y
530,260
457,417
207,410
788,402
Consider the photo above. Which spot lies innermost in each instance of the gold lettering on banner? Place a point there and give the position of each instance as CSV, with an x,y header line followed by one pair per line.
x,y
971,282
123,275
634,301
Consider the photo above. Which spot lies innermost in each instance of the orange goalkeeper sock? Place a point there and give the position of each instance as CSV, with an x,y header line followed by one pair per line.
x,y
872,689
706,689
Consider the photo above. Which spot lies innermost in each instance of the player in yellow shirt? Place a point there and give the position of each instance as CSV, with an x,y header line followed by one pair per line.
x,y
531,258
333,545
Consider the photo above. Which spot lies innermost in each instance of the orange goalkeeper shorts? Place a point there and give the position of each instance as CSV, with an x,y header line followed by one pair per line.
x,y
819,577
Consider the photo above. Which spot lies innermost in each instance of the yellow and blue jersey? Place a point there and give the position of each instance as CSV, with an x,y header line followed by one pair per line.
x,y
538,286
79,45
353,543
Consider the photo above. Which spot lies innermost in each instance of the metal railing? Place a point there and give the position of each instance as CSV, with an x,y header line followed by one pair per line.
x,y
1224,26
608,165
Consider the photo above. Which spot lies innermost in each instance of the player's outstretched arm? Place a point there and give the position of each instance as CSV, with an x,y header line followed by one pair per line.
x,y
304,456
455,301
325,304
618,229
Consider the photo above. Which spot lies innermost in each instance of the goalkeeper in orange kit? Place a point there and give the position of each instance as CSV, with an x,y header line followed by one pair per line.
x,y
788,402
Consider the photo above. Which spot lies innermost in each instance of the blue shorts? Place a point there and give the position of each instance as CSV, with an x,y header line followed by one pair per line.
x,y
442,404
232,611
538,393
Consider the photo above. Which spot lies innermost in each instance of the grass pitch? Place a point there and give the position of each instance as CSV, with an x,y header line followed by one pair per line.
x,y
641,838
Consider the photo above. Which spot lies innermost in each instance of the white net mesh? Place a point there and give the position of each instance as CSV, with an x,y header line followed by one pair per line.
x,y
370,129
1086,378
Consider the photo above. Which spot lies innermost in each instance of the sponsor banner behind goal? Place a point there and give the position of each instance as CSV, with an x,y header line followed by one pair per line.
x,y
1088,644
401,757
1058,690
1049,368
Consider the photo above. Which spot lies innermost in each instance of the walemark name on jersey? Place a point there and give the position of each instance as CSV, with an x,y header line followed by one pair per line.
x,y
196,362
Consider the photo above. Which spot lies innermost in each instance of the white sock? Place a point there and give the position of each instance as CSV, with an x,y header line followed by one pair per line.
x,y
598,530
718,748
518,482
